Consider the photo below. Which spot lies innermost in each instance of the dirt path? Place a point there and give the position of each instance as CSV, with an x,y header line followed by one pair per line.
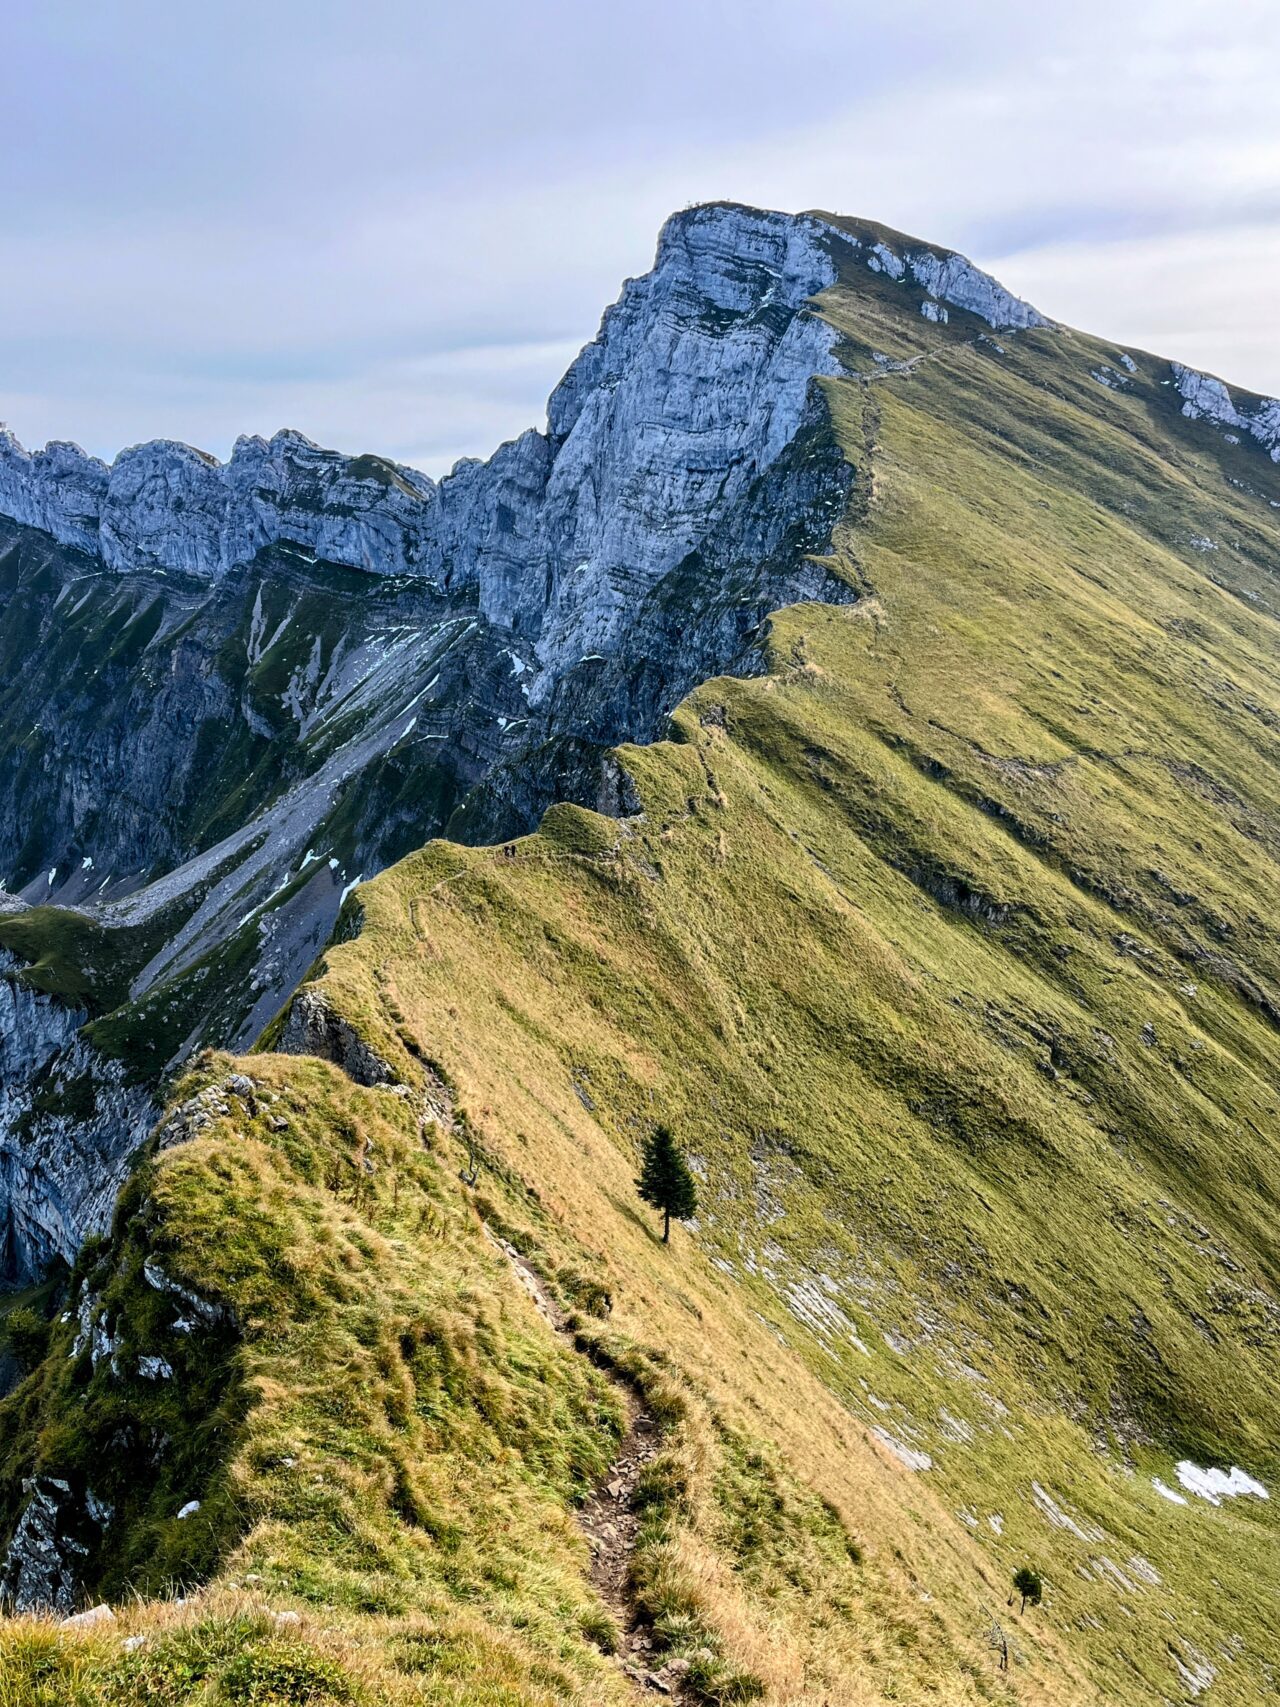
x,y
607,1519
896,369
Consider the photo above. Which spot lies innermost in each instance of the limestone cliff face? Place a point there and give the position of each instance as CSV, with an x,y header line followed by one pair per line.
x,y
166,506
238,688
694,385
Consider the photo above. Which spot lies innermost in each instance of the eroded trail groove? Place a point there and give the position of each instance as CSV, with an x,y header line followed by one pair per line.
x,y
609,1519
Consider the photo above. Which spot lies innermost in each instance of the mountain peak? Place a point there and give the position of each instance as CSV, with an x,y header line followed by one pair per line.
x,y
720,267
817,244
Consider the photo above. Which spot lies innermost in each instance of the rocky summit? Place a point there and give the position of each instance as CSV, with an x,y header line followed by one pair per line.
x,y
845,735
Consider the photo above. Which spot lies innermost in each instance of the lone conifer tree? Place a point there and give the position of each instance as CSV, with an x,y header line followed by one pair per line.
x,y
1026,1582
665,1180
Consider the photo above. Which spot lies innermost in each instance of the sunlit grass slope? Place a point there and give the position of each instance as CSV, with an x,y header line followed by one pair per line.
x,y
950,951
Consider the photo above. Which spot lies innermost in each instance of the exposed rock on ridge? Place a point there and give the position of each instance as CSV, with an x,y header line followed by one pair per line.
x,y
313,1028
1207,398
693,385
41,1567
164,505
952,279
695,382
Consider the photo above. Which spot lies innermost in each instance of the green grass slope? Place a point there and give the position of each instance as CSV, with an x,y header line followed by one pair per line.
x,y
949,949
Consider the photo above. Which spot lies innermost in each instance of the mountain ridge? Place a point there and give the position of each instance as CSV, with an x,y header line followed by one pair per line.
x,y
276,729
942,942
31,482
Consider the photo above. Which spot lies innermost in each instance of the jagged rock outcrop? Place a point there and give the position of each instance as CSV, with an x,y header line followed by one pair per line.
x,y
164,505
695,383
1207,398
42,1564
952,279
312,1028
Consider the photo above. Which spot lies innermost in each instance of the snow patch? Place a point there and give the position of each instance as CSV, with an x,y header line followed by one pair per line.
x,y
1218,1485
1167,1492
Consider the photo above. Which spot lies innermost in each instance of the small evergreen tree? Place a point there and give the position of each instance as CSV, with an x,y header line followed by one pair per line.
x,y
1026,1582
665,1180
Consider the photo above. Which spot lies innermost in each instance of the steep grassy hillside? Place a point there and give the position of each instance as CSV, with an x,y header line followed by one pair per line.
x,y
950,951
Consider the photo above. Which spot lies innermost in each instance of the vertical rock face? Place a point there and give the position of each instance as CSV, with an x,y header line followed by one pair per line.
x,y
694,387
695,383
68,1123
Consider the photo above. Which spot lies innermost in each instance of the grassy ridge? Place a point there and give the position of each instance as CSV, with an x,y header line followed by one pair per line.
x,y
385,1440
948,949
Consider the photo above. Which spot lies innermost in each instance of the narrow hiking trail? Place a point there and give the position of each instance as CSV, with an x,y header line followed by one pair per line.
x,y
895,369
607,1519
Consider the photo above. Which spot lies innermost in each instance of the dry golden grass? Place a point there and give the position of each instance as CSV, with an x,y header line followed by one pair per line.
x,y
945,950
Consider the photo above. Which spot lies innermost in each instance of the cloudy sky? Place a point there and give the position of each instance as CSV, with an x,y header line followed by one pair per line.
x,y
392,224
